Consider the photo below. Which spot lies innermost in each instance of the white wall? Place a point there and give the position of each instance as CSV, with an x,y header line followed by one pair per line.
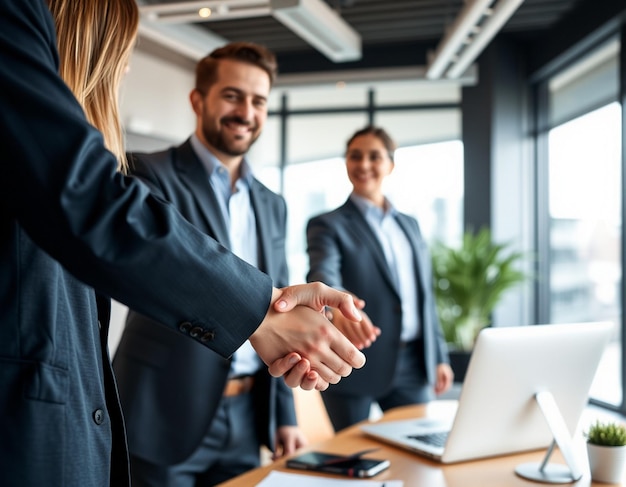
x,y
155,98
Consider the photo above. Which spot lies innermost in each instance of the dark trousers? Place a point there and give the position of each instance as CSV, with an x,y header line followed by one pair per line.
x,y
230,448
409,386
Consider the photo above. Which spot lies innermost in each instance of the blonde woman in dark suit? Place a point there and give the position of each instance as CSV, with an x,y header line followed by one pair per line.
x,y
209,427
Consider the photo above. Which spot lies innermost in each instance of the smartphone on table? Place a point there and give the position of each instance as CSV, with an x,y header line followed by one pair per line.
x,y
347,465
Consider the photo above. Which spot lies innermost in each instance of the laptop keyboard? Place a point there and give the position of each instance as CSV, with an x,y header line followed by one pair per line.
x,y
435,439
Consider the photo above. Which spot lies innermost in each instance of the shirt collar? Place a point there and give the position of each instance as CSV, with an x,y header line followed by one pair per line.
x,y
367,208
212,163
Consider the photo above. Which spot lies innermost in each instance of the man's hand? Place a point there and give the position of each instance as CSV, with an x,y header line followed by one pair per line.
x,y
301,327
445,376
361,333
317,295
288,440
296,371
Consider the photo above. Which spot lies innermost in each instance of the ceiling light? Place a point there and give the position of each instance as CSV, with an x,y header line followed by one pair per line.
x,y
191,11
501,13
312,20
454,53
204,12
455,35
319,25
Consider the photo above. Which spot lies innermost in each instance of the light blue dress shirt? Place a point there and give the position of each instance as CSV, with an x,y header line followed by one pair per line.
x,y
238,213
400,259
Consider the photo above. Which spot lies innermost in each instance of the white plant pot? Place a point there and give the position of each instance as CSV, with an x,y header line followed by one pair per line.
x,y
607,463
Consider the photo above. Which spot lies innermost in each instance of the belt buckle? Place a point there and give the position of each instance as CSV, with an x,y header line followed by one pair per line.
x,y
238,386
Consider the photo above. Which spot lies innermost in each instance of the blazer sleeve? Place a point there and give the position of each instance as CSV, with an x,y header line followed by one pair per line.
x,y
285,405
61,185
324,252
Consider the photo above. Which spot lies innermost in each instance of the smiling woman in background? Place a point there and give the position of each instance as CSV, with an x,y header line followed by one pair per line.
x,y
368,248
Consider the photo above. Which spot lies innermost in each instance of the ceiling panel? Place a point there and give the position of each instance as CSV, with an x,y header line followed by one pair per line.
x,y
418,25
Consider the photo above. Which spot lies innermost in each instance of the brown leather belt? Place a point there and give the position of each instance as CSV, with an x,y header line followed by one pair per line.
x,y
238,385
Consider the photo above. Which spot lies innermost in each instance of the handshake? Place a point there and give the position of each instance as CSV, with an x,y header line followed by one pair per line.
x,y
297,340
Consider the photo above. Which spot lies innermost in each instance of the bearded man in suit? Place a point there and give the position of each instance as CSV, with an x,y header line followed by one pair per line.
x,y
193,417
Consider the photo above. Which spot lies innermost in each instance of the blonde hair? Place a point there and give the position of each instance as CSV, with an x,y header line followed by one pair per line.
x,y
95,39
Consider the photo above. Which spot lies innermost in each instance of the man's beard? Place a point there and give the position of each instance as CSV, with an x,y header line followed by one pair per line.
x,y
214,137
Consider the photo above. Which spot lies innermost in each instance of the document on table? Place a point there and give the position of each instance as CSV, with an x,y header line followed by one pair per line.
x,y
284,479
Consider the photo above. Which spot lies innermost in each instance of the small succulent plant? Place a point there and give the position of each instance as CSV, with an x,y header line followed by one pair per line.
x,y
606,434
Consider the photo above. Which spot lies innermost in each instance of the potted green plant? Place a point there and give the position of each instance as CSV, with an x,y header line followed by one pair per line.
x,y
606,449
469,282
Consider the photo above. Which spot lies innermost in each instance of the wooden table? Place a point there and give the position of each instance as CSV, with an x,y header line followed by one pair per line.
x,y
417,471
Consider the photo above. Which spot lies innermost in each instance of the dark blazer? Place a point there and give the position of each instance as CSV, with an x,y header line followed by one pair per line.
x,y
69,224
170,386
345,253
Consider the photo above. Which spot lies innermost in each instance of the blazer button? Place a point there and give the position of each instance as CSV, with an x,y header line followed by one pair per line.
x,y
207,337
98,416
185,326
195,332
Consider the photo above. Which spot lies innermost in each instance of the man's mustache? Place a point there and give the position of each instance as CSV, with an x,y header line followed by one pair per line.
x,y
238,120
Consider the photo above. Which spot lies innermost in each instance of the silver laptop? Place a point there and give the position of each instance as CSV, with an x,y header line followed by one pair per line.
x,y
497,412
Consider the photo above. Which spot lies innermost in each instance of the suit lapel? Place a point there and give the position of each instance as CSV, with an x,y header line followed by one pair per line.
x,y
418,255
365,234
264,224
195,177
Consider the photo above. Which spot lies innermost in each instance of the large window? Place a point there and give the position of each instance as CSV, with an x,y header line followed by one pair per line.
x,y
581,257
585,230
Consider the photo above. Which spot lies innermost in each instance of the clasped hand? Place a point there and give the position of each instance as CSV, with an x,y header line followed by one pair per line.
x,y
298,342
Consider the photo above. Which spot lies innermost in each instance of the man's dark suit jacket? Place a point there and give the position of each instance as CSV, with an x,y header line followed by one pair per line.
x,y
70,223
170,386
344,253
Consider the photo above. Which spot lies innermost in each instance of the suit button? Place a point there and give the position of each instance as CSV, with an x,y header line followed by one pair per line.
x,y
98,416
185,326
207,337
195,332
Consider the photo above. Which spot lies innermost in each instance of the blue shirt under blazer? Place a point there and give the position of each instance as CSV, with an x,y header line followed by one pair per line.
x,y
170,386
344,253
69,224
